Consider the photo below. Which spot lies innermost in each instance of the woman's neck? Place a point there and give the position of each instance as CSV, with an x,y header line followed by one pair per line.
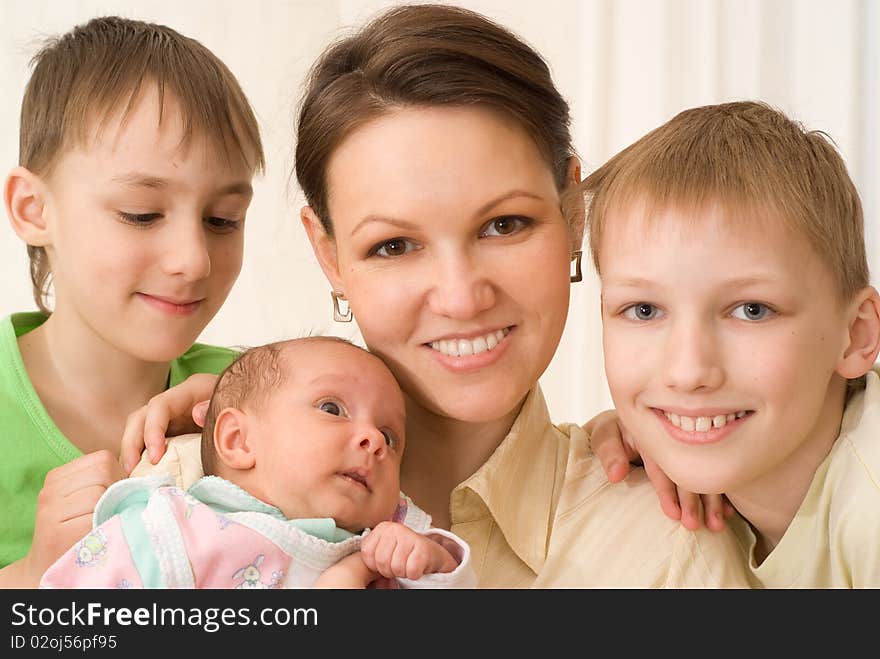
x,y
87,386
443,452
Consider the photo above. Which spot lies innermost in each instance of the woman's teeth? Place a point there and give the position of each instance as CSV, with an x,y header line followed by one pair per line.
x,y
462,347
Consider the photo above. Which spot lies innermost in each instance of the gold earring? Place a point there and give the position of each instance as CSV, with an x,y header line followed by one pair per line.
x,y
576,258
338,316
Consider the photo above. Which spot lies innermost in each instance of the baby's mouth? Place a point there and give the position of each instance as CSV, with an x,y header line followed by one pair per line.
x,y
357,477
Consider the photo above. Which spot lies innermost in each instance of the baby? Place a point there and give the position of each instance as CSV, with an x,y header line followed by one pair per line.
x,y
301,450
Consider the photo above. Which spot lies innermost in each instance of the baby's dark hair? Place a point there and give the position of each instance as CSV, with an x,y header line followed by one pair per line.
x,y
249,381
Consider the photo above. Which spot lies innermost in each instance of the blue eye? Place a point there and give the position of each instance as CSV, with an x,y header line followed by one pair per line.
x,y
752,311
504,226
642,311
330,407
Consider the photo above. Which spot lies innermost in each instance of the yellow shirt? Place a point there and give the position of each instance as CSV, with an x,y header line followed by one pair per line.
x,y
540,513
834,539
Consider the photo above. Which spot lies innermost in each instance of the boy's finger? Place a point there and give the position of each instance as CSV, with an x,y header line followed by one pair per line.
x,y
199,412
691,513
608,446
98,468
155,425
713,509
665,488
132,444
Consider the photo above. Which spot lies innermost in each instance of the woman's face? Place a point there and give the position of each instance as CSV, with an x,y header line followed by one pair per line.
x,y
453,252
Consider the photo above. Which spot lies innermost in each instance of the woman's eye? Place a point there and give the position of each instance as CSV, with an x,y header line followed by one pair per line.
x,y
140,219
330,407
752,311
642,311
504,226
392,248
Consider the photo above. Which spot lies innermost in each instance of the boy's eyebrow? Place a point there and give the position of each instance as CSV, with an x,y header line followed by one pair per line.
x,y
737,282
485,208
138,180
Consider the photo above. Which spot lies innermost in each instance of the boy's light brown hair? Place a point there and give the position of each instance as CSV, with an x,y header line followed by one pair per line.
x,y
82,78
755,163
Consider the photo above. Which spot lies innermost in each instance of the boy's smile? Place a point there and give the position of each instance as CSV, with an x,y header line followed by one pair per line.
x,y
722,334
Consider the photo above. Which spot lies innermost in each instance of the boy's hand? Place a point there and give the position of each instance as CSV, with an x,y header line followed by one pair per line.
x,y
178,410
396,551
65,506
349,572
616,449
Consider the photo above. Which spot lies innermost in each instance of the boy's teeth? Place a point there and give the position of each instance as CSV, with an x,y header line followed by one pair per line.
x,y
702,423
463,347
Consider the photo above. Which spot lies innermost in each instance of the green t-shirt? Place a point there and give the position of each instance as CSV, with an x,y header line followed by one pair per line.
x,y
30,442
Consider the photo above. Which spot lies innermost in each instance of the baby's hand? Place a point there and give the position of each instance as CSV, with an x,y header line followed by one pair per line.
x,y
349,572
616,449
178,410
396,551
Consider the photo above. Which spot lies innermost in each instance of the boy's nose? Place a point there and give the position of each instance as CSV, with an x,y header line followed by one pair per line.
x,y
692,360
459,288
186,251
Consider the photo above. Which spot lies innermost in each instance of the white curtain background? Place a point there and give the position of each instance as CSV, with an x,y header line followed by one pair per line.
x,y
625,66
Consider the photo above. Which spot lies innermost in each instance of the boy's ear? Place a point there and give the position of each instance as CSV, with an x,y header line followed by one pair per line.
x,y
323,245
25,196
863,346
573,207
232,443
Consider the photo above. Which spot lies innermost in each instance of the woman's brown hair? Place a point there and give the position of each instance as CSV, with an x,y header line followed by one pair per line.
x,y
425,55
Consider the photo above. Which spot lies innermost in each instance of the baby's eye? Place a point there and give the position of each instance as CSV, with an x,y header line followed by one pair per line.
x,y
752,311
390,439
330,407
504,226
642,311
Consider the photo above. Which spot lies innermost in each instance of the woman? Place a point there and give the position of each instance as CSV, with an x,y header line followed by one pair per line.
x,y
435,155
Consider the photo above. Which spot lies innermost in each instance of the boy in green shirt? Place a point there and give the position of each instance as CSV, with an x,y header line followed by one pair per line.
x,y
138,148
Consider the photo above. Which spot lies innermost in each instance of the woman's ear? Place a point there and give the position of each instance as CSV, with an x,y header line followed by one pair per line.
x,y
863,337
24,194
232,443
573,207
323,246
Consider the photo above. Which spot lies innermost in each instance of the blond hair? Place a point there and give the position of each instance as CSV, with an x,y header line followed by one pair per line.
x,y
81,78
748,158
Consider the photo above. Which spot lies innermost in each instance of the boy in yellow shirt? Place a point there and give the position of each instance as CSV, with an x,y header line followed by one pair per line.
x,y
740,331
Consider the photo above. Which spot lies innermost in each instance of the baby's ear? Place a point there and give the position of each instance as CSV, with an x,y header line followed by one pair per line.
x,y
863,345
231,441
24,194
